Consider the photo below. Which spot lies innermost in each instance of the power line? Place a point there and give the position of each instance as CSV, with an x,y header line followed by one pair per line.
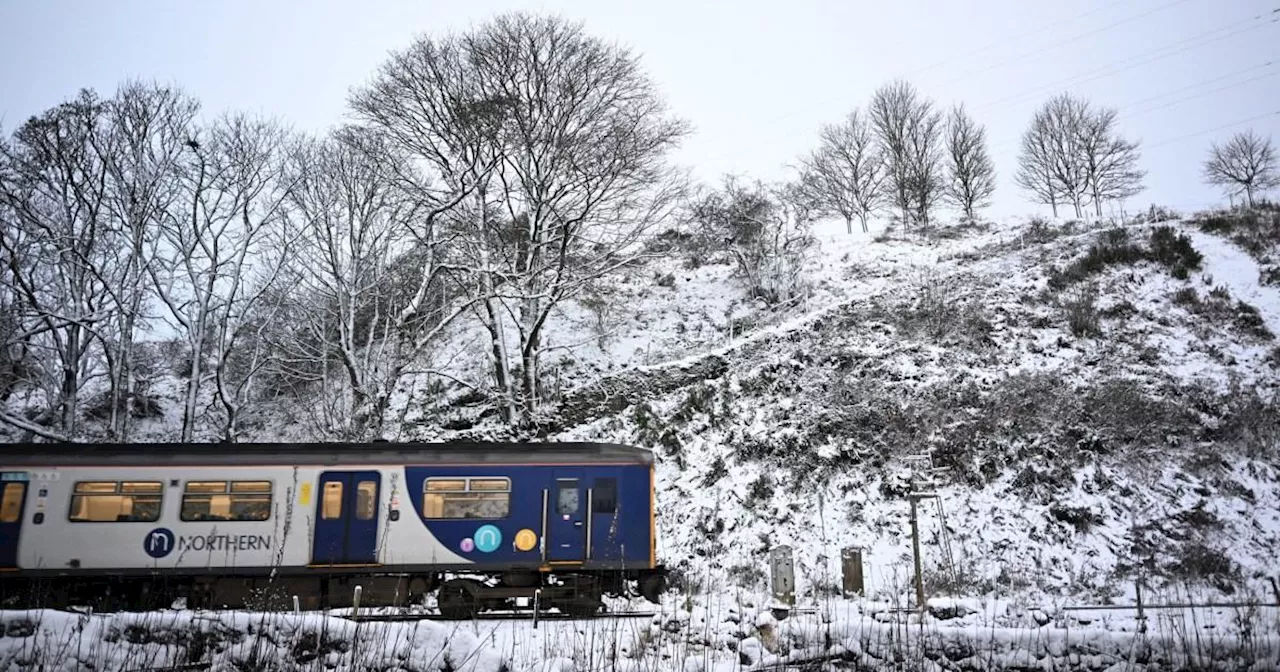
x,y
1198,95
1128,112
1149,57
1070,40
1005,41
1188,136
1200,84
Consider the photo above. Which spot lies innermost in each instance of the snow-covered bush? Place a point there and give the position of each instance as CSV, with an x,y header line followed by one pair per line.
x,y
766,230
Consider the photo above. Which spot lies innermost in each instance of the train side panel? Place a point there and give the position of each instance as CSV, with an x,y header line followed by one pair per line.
x,y
147,536
592,516
595,516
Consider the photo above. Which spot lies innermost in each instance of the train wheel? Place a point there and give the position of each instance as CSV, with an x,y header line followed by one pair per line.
x,y
457,600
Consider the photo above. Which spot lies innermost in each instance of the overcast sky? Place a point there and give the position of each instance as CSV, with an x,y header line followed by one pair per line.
x,y
755,78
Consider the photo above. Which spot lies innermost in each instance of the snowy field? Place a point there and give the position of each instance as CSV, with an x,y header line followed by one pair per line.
x,y
722,635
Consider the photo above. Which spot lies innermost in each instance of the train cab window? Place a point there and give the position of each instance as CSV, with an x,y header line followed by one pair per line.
x,y
116,501
11,502
366,499
567,496
604,495
332,508
460,498
226,501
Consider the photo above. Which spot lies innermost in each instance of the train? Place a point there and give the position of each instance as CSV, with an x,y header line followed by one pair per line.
x,y
481,526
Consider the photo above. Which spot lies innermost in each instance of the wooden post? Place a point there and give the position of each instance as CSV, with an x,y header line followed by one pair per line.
x,y
915,551
851,566
1142,617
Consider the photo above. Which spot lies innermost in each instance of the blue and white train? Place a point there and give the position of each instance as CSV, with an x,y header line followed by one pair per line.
x,y
483,525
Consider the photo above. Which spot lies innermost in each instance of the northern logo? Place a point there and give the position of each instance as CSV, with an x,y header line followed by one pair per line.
x,y
159,542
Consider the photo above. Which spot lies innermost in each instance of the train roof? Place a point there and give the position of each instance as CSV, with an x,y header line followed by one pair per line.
x,y
282,454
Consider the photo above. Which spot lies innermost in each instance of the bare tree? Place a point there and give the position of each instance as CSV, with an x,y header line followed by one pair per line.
x,y
1054,160
1246,162
55,243
926,182
585,165
572,177
433,110
908,130
219,251
148,126
360,269
970,169
1035,165
845,174
1110,162
767,229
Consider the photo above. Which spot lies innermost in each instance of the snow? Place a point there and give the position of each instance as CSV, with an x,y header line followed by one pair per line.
x,y
1229,265
722,509
711,633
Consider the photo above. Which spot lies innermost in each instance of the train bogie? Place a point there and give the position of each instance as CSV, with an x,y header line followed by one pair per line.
x,y
223,524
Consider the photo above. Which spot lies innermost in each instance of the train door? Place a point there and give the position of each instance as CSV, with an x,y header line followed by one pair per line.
x,y
13,498
347,518
566,524
602,517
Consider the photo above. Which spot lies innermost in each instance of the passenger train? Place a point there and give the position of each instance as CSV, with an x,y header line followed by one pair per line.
x,y
481,525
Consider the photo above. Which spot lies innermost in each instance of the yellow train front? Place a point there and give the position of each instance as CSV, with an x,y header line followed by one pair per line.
x,y
482,525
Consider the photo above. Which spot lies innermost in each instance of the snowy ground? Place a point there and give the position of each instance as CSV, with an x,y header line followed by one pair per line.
x,y
721,634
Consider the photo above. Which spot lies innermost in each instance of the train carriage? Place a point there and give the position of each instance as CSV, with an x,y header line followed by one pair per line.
x,y
485,525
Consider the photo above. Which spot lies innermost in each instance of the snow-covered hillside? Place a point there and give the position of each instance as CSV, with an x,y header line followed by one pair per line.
x,y
1102,401
1099,401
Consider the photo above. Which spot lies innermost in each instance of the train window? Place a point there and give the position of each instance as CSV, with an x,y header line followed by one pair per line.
x,y
112,501
11,503
226,501
332,507
366,499
459,498
604,495
566,496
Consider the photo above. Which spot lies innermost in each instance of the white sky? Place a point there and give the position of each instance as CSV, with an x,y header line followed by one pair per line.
x,y
756,79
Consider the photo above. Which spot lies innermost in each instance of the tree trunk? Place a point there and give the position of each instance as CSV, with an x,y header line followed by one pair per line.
x,y
70,385
498,361
848,225
529,382
193,392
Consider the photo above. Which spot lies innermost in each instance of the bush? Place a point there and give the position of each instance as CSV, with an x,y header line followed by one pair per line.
x,y
766,230
1081,518
1114,248
1218,307
1256,230
1082,313
1174,251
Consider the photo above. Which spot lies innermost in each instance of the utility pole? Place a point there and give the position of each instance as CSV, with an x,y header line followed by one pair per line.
x,y
915,550
923,474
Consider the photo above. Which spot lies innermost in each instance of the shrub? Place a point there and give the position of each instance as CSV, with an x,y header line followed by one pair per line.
x,y
1218,306
1256,230
766,230
1081,518
1114,248
1197,560
1082,312
1174,251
